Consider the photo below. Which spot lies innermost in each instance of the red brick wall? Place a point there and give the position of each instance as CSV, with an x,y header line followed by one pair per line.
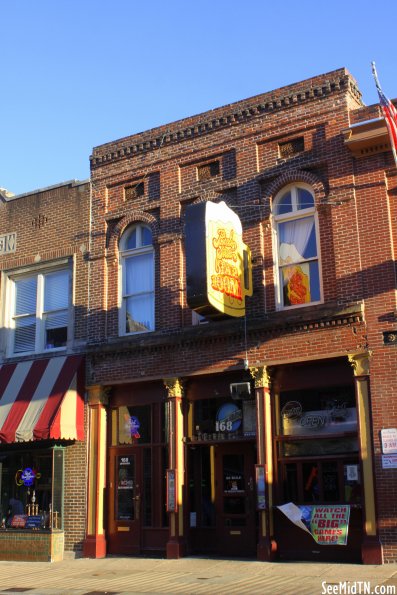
x,y
53,224
356,207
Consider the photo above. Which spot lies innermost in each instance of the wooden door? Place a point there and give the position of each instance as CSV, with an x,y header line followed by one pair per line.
x,y
235,500
124,502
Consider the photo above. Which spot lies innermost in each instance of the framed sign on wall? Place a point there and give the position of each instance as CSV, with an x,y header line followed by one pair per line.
x,y
172,504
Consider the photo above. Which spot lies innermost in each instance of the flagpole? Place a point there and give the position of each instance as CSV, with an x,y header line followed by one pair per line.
x,y
389,114
375,75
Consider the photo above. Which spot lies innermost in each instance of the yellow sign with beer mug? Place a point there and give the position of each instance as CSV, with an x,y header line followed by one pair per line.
x,y
229,270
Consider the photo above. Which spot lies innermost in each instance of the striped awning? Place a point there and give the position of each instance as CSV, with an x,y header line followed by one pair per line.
x,y
42,399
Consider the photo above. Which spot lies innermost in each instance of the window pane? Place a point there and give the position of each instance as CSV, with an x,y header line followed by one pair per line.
x,y
25,299
139,274
146,237
305,199
325,446
131,240
56,320
284,205
135,424
125,486
25,333
56,291
297,240
147,487
319,413
58,488
207,489
56,330
314,281
311,482
330,476
140,314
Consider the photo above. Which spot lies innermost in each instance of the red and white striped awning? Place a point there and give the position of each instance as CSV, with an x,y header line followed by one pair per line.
x,y
42,399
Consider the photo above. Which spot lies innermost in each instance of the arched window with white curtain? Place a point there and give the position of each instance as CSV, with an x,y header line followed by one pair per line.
x,y
137,285
298,276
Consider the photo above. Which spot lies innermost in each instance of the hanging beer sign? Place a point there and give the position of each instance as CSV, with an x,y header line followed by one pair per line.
x,y
218,263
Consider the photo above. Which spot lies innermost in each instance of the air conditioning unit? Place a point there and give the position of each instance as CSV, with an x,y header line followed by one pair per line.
x,y
240,390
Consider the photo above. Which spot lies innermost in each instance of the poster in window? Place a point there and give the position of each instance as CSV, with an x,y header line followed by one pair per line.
x,y
260,487
296,284
328,525
171,491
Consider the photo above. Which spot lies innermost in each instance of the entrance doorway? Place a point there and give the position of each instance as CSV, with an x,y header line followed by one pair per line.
x,y
223,516
125,491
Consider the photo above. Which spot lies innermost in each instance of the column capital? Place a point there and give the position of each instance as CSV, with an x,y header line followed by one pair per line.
x,y
261,376
174,387
360,363
98,394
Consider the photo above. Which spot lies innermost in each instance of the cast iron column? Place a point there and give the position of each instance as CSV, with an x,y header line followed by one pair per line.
x,y
371,549
95,543
264,438
176,542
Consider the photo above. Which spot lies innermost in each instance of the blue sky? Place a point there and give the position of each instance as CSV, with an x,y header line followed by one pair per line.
x,y
78,73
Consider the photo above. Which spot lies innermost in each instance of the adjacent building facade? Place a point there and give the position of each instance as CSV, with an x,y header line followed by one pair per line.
x,y
44,243
200,425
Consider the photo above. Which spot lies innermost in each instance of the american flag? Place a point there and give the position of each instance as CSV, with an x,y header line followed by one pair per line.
x,y
389,113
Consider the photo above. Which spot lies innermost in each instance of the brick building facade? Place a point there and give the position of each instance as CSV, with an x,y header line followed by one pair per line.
x,y
200,425
43,454
308,147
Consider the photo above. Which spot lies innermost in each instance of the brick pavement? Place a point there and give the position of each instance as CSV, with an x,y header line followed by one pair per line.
x,y
192,576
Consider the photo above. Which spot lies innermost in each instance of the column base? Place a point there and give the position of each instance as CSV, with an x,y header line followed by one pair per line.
x,y
94,546
266,550
175,549
371,551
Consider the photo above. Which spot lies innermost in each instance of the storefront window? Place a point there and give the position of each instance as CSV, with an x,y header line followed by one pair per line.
x,y
317,445
135,425
223,419
319,412
31,489
302,448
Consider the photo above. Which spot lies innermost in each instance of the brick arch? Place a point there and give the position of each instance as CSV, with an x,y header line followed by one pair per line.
x,y
135,217
296,176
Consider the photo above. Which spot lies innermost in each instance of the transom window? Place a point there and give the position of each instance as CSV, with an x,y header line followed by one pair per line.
x,y
137,260
40,312
295,224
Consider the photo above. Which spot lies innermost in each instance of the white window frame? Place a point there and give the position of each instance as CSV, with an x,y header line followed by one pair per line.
x,y
9,317
126,254
290,216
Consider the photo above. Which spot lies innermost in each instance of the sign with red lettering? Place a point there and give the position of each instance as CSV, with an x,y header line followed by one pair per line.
x,y
328,525
18,521
389,441
218,263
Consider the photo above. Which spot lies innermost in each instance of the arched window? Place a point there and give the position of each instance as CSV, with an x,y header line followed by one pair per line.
x,y
137,295
298,279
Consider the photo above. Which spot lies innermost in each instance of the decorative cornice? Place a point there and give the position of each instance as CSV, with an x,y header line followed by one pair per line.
x,y
315,318
237,113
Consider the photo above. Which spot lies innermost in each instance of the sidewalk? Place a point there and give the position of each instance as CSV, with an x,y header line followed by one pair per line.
x,y
188,576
